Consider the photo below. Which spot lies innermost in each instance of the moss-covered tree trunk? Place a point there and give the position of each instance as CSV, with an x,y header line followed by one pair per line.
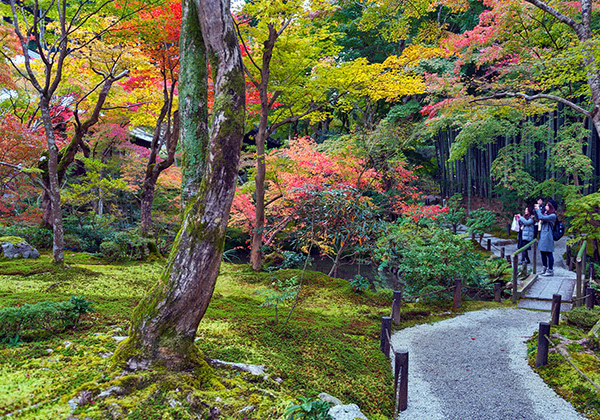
x,y
164,323
193,104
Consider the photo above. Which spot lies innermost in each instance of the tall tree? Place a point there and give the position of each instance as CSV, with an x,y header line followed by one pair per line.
x,y
164,324
280,46
70,37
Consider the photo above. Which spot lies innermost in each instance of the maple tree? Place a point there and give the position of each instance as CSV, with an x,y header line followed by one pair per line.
x,y
308,188
161,46
521,59
74,32
279,45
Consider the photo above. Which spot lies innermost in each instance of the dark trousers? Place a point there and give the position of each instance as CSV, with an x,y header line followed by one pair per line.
x,y
524,254
547,259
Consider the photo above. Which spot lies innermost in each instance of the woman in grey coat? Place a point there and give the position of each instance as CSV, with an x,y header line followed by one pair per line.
x,y
546,243
526,233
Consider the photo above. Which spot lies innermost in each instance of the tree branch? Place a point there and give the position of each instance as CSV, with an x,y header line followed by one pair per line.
x,y
550,10
529,98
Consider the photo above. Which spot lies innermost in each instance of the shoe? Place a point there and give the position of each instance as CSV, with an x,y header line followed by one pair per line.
x,y
544,271
549,273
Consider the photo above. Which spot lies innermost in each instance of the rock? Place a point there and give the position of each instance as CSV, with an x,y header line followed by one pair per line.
x,y
108,392
67,344
119,338
173,403
346,412
247,409
279,380
258,370
329,398
15,247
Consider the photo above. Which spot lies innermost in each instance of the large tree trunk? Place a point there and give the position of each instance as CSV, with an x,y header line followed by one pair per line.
x,y
164,324
193,106
53,185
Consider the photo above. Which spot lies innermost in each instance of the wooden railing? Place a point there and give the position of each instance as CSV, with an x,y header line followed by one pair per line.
x,y
515,266
580,269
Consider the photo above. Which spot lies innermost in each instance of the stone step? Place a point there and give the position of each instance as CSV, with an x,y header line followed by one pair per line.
x,y
541,305
545,287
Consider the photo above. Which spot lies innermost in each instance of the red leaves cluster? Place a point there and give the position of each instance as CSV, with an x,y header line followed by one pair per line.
x,y
22,147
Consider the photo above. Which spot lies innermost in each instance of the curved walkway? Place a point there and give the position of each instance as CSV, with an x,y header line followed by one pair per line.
x,y
475,366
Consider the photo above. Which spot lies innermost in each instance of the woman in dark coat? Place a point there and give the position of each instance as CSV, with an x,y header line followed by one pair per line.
x,y
546,243
526,232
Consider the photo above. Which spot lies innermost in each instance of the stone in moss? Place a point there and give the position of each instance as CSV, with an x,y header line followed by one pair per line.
x,y
16,247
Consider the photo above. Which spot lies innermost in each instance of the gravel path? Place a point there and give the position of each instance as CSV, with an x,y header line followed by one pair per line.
x,y
475,366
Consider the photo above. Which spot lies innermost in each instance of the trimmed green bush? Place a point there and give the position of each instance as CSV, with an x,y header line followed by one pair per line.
x,y
42,316
583,317
111,251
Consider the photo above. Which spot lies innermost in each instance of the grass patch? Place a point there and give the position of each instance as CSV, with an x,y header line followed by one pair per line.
x,y
331,344
563,378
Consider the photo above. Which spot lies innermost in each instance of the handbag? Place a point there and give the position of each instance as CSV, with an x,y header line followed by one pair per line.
x,y
515,225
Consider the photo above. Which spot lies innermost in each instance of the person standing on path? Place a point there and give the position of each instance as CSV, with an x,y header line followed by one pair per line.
x,y
526,232
546,243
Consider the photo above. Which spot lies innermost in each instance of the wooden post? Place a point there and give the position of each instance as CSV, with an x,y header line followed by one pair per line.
x,y
396,305
509,260
401,380
498,292
556,301
502,252
386,330
534,264
489,245
589,299
542,348
579,282
508,229
515,267
457,293
472,236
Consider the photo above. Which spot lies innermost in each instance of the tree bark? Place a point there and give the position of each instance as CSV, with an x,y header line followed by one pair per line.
x,y
193,106
260,138
148,188
53,185
164,324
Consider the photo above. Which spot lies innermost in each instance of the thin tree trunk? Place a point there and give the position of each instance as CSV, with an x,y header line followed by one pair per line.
x,y
164,324
261,136
146,201
54,188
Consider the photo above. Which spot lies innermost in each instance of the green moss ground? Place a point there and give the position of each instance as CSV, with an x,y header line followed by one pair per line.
x,y
564,379
330,345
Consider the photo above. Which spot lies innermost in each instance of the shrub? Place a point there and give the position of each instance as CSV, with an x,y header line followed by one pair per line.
x,y
111,251
73,243
359,283
583,317
308,409
480,222
420,256
42,316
